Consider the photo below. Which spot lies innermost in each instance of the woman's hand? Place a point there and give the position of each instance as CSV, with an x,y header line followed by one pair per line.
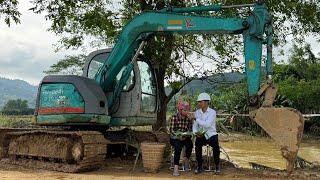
x,y
191,115
199,135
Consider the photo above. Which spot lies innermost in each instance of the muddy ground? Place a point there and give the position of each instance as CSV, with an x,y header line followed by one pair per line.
x,y
117,168
121,168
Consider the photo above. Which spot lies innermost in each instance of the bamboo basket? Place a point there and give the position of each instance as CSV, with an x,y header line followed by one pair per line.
x,y
152,155
162,137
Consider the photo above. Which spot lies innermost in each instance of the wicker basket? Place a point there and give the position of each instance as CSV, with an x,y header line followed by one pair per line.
x,y
162,137
152,155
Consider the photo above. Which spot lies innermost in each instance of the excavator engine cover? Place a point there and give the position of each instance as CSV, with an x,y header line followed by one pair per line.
x,y
68,99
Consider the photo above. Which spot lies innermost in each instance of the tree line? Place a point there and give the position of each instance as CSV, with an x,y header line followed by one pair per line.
x,y
17,107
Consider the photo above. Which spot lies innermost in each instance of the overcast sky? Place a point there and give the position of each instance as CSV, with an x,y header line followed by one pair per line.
x,y
27,48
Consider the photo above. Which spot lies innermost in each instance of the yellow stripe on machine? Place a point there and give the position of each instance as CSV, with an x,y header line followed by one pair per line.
x,y
175,22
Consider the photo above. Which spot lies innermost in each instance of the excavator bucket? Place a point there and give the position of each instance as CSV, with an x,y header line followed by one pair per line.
x,y
285,126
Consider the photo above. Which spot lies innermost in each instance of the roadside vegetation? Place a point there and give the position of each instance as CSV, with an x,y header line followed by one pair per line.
x,y
16,113
15,121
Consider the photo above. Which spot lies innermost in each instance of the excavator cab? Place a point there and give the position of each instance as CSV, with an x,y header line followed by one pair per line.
x,y
138,102
79,100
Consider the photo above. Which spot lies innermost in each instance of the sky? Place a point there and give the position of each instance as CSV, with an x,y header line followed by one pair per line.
x,y
27,49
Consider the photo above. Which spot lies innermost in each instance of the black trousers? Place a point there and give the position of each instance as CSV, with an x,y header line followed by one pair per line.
x,y
178,145
213,142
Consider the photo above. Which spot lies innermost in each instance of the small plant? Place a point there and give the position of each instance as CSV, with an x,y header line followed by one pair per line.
x,y
201,132
182,135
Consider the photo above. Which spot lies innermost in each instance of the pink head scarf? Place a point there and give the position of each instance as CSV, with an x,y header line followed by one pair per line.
x,y
183,105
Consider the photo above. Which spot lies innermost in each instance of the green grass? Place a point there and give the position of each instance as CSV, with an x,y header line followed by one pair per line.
x,y
15,121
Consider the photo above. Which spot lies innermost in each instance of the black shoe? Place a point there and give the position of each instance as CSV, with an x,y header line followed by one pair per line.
x,y
198,171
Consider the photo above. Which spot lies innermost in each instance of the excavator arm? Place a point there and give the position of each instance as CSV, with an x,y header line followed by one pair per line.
x,y
179,20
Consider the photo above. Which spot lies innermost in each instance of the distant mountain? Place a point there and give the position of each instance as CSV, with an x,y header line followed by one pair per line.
x,y
15,89
211,83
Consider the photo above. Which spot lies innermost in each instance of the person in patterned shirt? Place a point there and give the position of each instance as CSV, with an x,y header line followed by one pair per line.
x,y
179,123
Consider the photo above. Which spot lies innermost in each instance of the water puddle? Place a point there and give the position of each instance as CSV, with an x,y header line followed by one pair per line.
x,y
264,151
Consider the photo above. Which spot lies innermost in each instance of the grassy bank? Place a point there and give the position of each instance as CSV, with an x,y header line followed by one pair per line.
x,y
15,121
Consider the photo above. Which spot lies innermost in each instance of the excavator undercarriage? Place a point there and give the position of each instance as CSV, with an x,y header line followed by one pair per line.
x,y
66,151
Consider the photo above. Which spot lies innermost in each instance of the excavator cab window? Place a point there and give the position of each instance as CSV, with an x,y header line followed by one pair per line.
x,y
148,88
96,63
130,82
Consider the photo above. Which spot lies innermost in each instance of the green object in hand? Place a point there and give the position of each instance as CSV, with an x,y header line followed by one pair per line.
x,y
201,132
182,134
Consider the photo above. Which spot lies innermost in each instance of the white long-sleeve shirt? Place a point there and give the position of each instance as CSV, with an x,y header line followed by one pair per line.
x,y
205,120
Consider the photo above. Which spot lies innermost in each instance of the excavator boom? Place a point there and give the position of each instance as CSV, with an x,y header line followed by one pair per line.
x,y
255,30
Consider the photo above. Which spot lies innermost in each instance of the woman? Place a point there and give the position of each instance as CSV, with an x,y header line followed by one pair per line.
x,y
181,133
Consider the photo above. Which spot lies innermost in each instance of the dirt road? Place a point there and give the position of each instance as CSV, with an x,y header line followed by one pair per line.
x,y
121,169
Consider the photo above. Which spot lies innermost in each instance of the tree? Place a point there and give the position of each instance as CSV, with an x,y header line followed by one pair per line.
x,y
100,21
17,107
299,81
9,9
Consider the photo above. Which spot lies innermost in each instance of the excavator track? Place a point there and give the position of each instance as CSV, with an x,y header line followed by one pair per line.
x,y
65,151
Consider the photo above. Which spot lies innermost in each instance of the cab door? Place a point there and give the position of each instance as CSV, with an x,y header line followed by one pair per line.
x,y
137,104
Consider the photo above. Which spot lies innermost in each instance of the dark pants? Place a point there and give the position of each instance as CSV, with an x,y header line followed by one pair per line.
x,y
214,143
178,145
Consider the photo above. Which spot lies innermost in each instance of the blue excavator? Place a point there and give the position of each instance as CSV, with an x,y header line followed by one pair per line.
x,y
117,89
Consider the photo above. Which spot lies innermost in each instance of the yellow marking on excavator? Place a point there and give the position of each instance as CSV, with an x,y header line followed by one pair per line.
x,y
175,22
251,65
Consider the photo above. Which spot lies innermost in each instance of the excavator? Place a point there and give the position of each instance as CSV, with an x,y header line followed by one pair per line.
x,y
117,89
